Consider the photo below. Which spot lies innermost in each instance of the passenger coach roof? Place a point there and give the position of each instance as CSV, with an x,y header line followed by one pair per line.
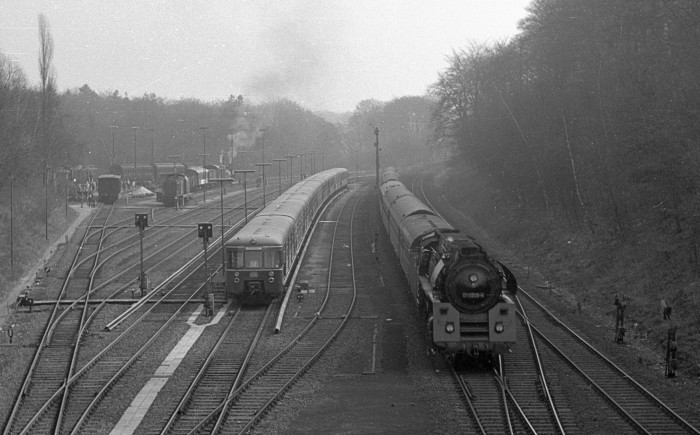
x,y
415,228
290,205
389,185
402,202
409,205
263,231
272,225
395,190
390,174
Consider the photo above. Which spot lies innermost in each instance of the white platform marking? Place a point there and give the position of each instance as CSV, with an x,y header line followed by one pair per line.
x,y
133,416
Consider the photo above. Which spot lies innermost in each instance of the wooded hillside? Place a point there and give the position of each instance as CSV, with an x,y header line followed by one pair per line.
x,y
586,127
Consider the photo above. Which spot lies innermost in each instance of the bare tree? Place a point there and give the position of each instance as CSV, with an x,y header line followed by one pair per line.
x,y
48,87
48,81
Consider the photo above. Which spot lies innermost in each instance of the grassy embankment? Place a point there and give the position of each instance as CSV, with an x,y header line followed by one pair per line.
x,y
591,269
28,228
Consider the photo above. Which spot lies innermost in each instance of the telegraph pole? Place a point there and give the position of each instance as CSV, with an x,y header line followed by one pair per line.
x,y
204,160
263,178
376,145
113,127
290,157
223,232
135,130
279,175
245,172
153,149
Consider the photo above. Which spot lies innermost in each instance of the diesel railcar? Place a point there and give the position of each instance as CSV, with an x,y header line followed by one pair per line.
x,y
260,256
464,296
109,186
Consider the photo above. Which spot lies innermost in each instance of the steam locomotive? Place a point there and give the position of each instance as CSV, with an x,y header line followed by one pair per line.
x,y
465,297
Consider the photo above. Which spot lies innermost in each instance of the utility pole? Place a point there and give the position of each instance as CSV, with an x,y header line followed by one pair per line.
x,y
204,159
279,175
153,154
113,127
223,232
230,160
376,145
12,234
301,166
245,172
290,157
263,179
135,130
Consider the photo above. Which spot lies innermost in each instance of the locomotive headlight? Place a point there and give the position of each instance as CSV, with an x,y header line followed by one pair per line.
x,y
473,278
498,327
236,273
271,273
450,327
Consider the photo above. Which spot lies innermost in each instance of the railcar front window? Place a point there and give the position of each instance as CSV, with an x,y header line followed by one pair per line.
x,y
272,258
235,258
253,259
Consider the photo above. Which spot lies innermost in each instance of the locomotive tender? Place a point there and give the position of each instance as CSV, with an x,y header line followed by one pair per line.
x,y
260,256
464,296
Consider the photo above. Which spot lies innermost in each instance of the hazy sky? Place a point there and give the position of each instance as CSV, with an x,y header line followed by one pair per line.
x,y
323,54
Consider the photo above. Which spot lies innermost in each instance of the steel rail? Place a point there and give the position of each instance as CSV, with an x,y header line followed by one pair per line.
x,y
305,367
468,397
540,369
24,389
186,398
103,391
64,390
657,402
218,412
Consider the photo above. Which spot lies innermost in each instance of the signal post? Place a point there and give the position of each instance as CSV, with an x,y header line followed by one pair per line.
x,y
205,231
141,222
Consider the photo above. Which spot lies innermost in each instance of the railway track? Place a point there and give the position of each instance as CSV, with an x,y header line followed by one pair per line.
x,y
637,407
43,403
268,377
532,389
220,373
54,359
543,405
